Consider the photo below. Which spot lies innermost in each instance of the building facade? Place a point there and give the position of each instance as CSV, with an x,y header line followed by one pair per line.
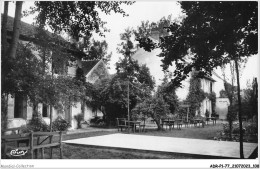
x,y
20,109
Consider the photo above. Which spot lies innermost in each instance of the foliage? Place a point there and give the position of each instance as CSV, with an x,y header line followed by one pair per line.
x,y
212,98
196,94
126,47
249,100
78,19
213,33
80,75
214,114
207,113
4,118
222,94
96,120
154,107
60,124
112,93
230,91
79,118
169,96
232,114
231,117
146,28
249,129
37,123
21,73
98,50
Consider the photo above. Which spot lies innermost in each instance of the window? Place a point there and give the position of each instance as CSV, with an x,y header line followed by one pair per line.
x,y
44,110
19,106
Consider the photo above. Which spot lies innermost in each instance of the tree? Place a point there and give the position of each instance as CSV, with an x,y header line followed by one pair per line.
x,y
98,50
111,93
214,33
154,107
78,19
195,95
16,29
144,31
169,95
3,30
249,100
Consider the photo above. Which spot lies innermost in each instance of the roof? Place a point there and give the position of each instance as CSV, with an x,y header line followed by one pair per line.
x,y
87,66
27,29
205,76
28,32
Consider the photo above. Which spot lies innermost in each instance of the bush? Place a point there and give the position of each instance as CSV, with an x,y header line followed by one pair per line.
x,y
37,124
60,124
97,121
207,113
251,129
79,118
4,119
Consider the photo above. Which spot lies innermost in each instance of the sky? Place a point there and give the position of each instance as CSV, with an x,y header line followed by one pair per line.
x,y
142,11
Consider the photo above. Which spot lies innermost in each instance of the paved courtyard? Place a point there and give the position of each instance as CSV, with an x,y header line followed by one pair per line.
x,y
213,148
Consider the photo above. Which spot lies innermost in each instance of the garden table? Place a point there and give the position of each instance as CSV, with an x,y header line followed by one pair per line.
x,y
168,122
134,124
199,121
214,120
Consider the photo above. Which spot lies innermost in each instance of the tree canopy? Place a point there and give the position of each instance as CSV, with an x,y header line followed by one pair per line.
x,y
77,18
213,33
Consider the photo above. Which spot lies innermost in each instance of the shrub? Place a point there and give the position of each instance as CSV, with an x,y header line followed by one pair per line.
x,y
37,123
79,118
214,114
207,113
251,129
60,124
97,121
4,119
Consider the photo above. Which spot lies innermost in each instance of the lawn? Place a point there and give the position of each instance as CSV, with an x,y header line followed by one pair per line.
x,y
88,152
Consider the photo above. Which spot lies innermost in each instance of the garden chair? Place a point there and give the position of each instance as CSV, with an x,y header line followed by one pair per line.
x,y
142,126
121,123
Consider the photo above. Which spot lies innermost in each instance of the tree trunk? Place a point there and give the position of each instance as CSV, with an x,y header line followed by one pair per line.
x,y
239,113
51,118
16,29
4,29
51,112
35,109
158,124
230,130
